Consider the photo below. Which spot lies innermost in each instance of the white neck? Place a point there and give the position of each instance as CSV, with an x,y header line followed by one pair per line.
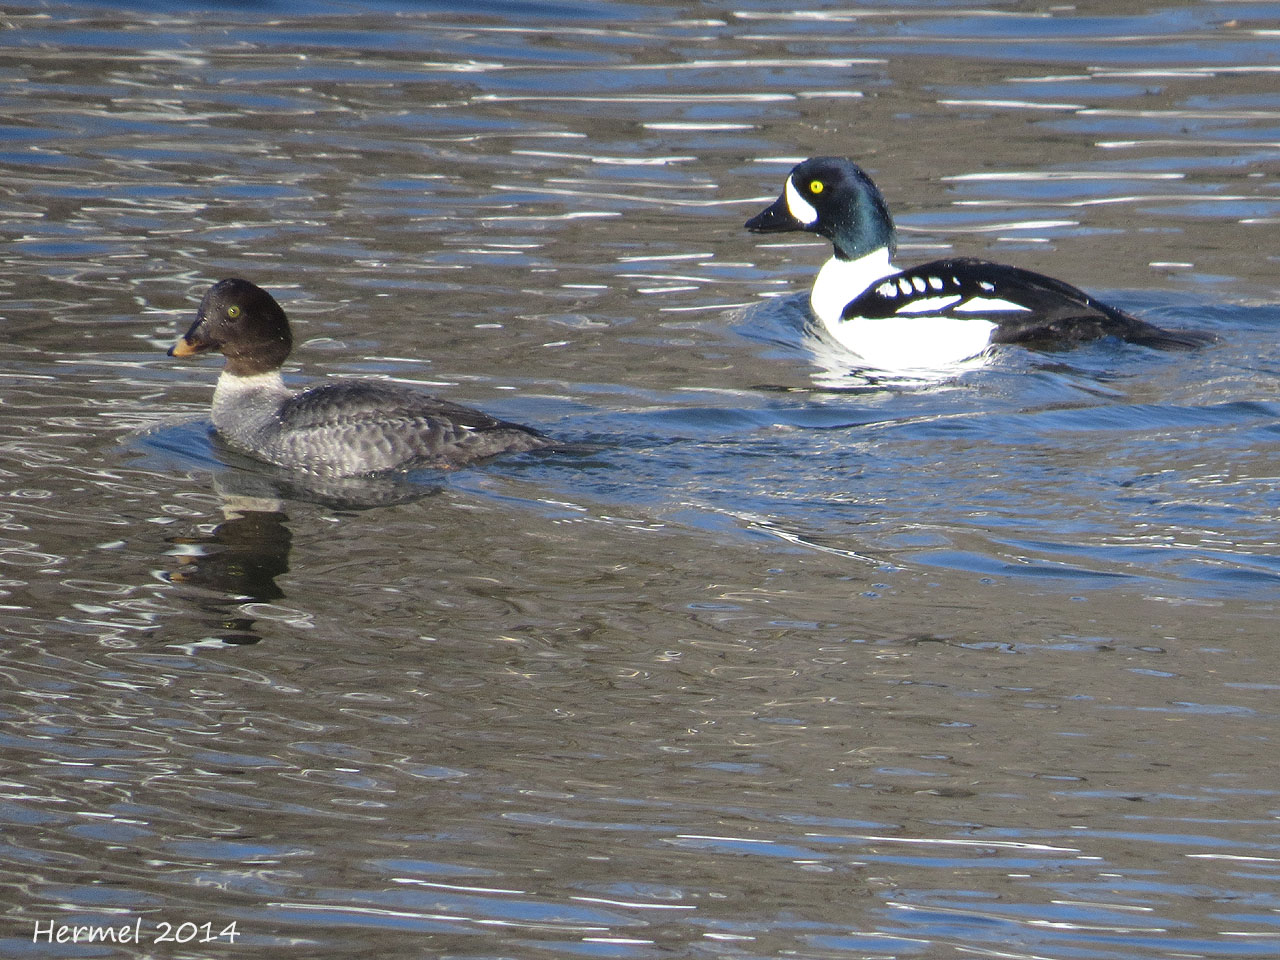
x,y
840,281
260,392
231,385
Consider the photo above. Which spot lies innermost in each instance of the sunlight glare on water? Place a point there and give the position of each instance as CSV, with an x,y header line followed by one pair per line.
x,y
782,658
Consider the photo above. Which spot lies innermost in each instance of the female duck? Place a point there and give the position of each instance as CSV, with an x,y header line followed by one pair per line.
x,y
343,428
936,313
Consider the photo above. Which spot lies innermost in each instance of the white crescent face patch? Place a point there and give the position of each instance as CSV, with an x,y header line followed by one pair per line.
x,y
799,207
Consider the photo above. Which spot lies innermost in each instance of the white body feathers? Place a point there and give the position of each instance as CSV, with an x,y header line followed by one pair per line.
x,y
914,338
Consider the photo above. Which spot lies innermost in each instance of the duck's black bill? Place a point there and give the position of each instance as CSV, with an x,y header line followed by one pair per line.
x,y
775,218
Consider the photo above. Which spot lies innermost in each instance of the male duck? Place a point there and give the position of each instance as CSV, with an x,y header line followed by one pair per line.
x,y
937,313
342,428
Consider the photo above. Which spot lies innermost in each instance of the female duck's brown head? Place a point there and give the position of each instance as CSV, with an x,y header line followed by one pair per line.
x,y
244,323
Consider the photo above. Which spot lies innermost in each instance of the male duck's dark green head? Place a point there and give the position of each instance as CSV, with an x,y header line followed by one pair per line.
x,y
244,323
834,198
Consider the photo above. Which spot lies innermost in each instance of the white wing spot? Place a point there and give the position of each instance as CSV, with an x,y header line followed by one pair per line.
x,y
918,283
985,304
904,285
987,285
887,289
935,282
927,304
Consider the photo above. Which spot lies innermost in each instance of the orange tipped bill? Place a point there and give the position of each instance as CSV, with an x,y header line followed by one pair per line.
x,y
183,348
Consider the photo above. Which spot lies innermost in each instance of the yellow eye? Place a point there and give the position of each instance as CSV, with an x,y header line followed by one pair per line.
x,y
233,311
817,186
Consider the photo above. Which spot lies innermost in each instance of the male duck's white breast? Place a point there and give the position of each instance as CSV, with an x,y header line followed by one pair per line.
x,y
911,339
913,342
840,281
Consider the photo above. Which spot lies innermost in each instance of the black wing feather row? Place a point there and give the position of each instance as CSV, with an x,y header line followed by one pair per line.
x,y
1055,312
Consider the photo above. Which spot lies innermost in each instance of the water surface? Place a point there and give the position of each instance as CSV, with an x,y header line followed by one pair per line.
x,y
796,662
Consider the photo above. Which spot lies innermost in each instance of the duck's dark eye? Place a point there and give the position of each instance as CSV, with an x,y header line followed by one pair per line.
x,y
233,311
816,186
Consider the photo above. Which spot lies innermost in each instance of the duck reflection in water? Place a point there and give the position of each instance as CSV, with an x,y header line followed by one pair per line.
x,y
240,560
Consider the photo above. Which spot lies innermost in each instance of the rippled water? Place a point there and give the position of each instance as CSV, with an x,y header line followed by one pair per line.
x,y
795,662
